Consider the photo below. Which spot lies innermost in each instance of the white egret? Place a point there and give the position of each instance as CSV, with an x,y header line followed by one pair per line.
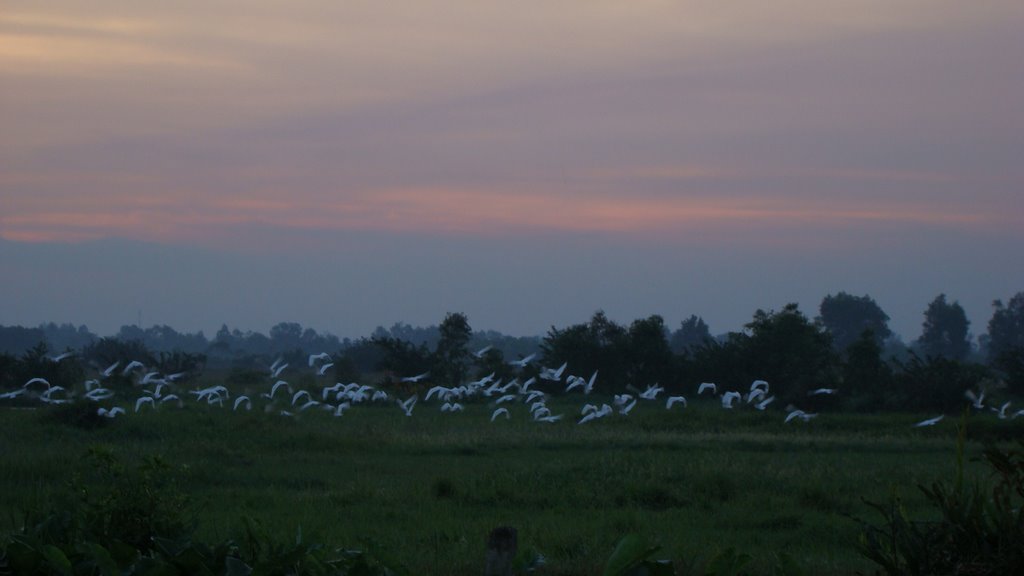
x,y
673,400
324,368
378,395
12,394
929,422
799,414
297,395
416,378
60,357
624,410
37,381
277,371
321,356
1001,412
144,400
499,412
822,392
133,365
977,401
652,392
241,399
707,386
408,404
764,403
729,397
98,394
480,353
110,369
277,385
308,405
554,375
521,363
110,413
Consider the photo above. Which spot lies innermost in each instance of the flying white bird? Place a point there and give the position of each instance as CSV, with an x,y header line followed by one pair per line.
x,y
297,395
12,394
521,363
133,365
652,392
144,400
729,397
977,401
929,422
624,410
499,412
1001,412
324,368
554,375
36,381
98,394
480,353
277,385
707,386
822,391
799,414
110,413
408,404
416,378
764,403
321,356
239,400
673,400
60,357
110,369
277,371
759,385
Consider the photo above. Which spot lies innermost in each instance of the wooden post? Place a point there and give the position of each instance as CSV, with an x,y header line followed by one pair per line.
x,y
501,550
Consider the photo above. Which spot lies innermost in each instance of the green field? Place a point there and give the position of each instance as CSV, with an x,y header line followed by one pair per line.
x,y
424,491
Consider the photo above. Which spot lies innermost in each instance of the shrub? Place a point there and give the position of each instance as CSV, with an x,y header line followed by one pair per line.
x,y
980,530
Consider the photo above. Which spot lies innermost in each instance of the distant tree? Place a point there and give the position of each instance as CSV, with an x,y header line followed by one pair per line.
x,y
286,335
17,340
399,357
867,379
692,332
1006,341
451,357
944,332
650,358
1006,327
600,344
846,318
934,383
789,351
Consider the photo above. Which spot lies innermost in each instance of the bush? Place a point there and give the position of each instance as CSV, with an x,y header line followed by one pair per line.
x,y
980,530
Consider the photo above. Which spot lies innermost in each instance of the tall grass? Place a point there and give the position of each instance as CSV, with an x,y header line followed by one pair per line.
x,y
426,490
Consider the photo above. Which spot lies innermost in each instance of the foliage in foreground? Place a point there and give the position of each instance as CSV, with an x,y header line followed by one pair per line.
x,y
136,523
979,533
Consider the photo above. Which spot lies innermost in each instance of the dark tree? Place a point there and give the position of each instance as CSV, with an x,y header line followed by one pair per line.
x,y
1006,328
451,357
650,357
693,332
789,351
867,379
846,317
944,333
1006,341
600,345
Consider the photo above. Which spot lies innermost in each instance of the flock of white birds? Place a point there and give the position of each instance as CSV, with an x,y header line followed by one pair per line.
x,y
155,390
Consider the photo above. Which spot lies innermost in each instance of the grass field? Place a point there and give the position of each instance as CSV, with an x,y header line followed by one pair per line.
x,y
424,491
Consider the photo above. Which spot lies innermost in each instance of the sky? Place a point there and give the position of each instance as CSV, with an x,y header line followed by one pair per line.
x,y
353,164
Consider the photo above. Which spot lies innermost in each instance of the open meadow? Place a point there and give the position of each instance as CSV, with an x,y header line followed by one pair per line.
x,y
424,491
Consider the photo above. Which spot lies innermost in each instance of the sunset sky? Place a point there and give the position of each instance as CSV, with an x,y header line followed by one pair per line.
x,y
352,164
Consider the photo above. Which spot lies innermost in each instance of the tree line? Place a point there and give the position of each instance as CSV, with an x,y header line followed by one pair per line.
x,y
848,346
